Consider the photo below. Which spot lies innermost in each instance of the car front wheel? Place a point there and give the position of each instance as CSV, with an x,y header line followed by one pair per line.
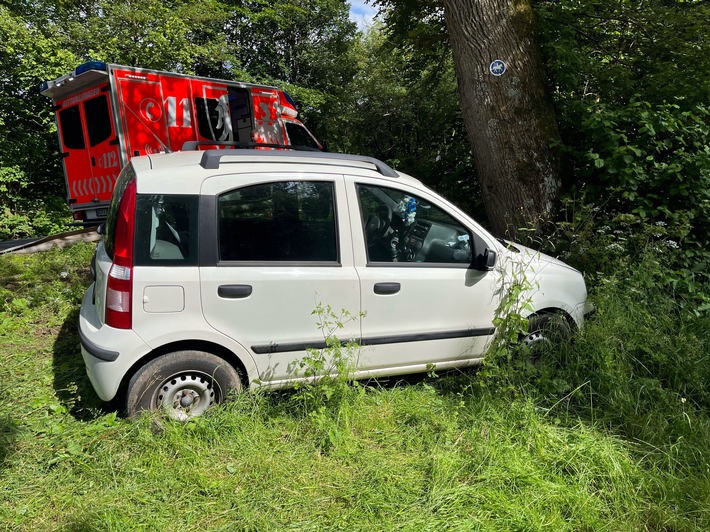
x,y
184,384
546,329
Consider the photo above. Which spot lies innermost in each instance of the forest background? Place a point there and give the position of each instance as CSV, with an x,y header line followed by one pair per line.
x,y
611,432
629,82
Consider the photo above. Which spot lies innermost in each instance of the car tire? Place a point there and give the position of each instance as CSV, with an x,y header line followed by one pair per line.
x,y
184,384
544,330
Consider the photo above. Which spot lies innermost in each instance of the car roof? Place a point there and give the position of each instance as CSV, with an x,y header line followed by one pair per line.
x,y
184,172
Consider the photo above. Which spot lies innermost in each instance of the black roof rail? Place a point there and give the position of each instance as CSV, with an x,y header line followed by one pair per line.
x,y
211,158
192,145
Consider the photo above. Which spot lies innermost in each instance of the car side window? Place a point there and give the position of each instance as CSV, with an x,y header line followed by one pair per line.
x,y
299,136
289,221
402,227
213,121
166,230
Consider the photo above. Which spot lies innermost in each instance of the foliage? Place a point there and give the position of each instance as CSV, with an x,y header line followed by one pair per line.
x,y
30,174
329,395
640,370
23,215
329,370
506,358
652,163
404,109
635,127
179,35
613,50
301,43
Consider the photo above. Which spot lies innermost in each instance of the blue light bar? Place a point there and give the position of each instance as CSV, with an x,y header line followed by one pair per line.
x,y
90,65
290,100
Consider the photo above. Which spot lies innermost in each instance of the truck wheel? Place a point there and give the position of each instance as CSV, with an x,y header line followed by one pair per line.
x,y
184,384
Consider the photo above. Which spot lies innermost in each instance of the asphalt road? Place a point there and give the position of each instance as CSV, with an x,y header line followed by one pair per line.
x,y
14,243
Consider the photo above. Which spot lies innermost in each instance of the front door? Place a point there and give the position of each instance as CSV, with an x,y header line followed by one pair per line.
x,y
423,302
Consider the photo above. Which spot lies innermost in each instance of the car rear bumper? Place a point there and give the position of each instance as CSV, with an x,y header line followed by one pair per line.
x,y
105,365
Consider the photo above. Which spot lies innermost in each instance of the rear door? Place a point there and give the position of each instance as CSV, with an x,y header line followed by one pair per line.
x,y
275,248
103,146
89,146
75,155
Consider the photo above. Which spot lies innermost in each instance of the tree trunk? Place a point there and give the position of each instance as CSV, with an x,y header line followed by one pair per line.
x,y
509,119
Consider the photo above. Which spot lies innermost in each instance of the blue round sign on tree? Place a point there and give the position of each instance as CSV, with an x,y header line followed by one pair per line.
x,y
497,67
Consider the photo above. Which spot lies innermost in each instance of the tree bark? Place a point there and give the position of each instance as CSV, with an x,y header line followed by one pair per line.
x,y
509,119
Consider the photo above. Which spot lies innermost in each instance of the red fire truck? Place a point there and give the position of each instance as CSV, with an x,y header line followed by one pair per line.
x,y
108,113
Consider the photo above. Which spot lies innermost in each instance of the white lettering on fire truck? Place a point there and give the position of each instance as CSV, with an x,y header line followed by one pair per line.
x,y
184,119
81,97
108,160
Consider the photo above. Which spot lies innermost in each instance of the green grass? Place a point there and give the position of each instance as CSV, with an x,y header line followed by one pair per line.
x,y
610,434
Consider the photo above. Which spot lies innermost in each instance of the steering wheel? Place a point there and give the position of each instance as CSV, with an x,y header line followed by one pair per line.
x,y
378,224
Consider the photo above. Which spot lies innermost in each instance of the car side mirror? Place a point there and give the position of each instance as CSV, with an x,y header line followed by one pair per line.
x,y
485,261
489,258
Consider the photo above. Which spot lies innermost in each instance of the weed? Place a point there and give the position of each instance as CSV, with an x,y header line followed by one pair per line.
x,y
329,394
507,359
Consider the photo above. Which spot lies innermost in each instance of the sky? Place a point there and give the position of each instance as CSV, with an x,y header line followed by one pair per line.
x,y
361,13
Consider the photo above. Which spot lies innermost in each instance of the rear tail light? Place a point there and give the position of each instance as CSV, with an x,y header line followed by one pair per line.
x,y
119,286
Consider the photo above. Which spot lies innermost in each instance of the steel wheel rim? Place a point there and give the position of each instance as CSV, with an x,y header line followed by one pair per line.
x,y
537,339
187,394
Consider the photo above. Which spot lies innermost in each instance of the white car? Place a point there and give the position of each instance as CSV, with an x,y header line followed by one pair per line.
x,y
212,263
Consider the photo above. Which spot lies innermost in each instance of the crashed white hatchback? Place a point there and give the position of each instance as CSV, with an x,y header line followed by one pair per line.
x,y
212,263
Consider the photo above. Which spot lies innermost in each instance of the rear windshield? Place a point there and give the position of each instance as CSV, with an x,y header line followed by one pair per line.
x,y
70,127
124,178
98,120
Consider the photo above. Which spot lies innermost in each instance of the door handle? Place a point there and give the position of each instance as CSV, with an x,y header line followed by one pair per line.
x,y
234,291
384,289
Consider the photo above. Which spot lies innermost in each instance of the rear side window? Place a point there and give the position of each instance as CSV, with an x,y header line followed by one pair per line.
x,y
292,221
70,127
166,230
213,119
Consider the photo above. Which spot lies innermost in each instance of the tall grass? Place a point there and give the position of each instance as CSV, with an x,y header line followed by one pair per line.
x,y
610,433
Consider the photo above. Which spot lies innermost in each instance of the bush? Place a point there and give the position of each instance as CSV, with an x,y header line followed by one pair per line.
x,y
25,215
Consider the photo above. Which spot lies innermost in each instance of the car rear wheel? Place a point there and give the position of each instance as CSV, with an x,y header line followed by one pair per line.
x,y
184,384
